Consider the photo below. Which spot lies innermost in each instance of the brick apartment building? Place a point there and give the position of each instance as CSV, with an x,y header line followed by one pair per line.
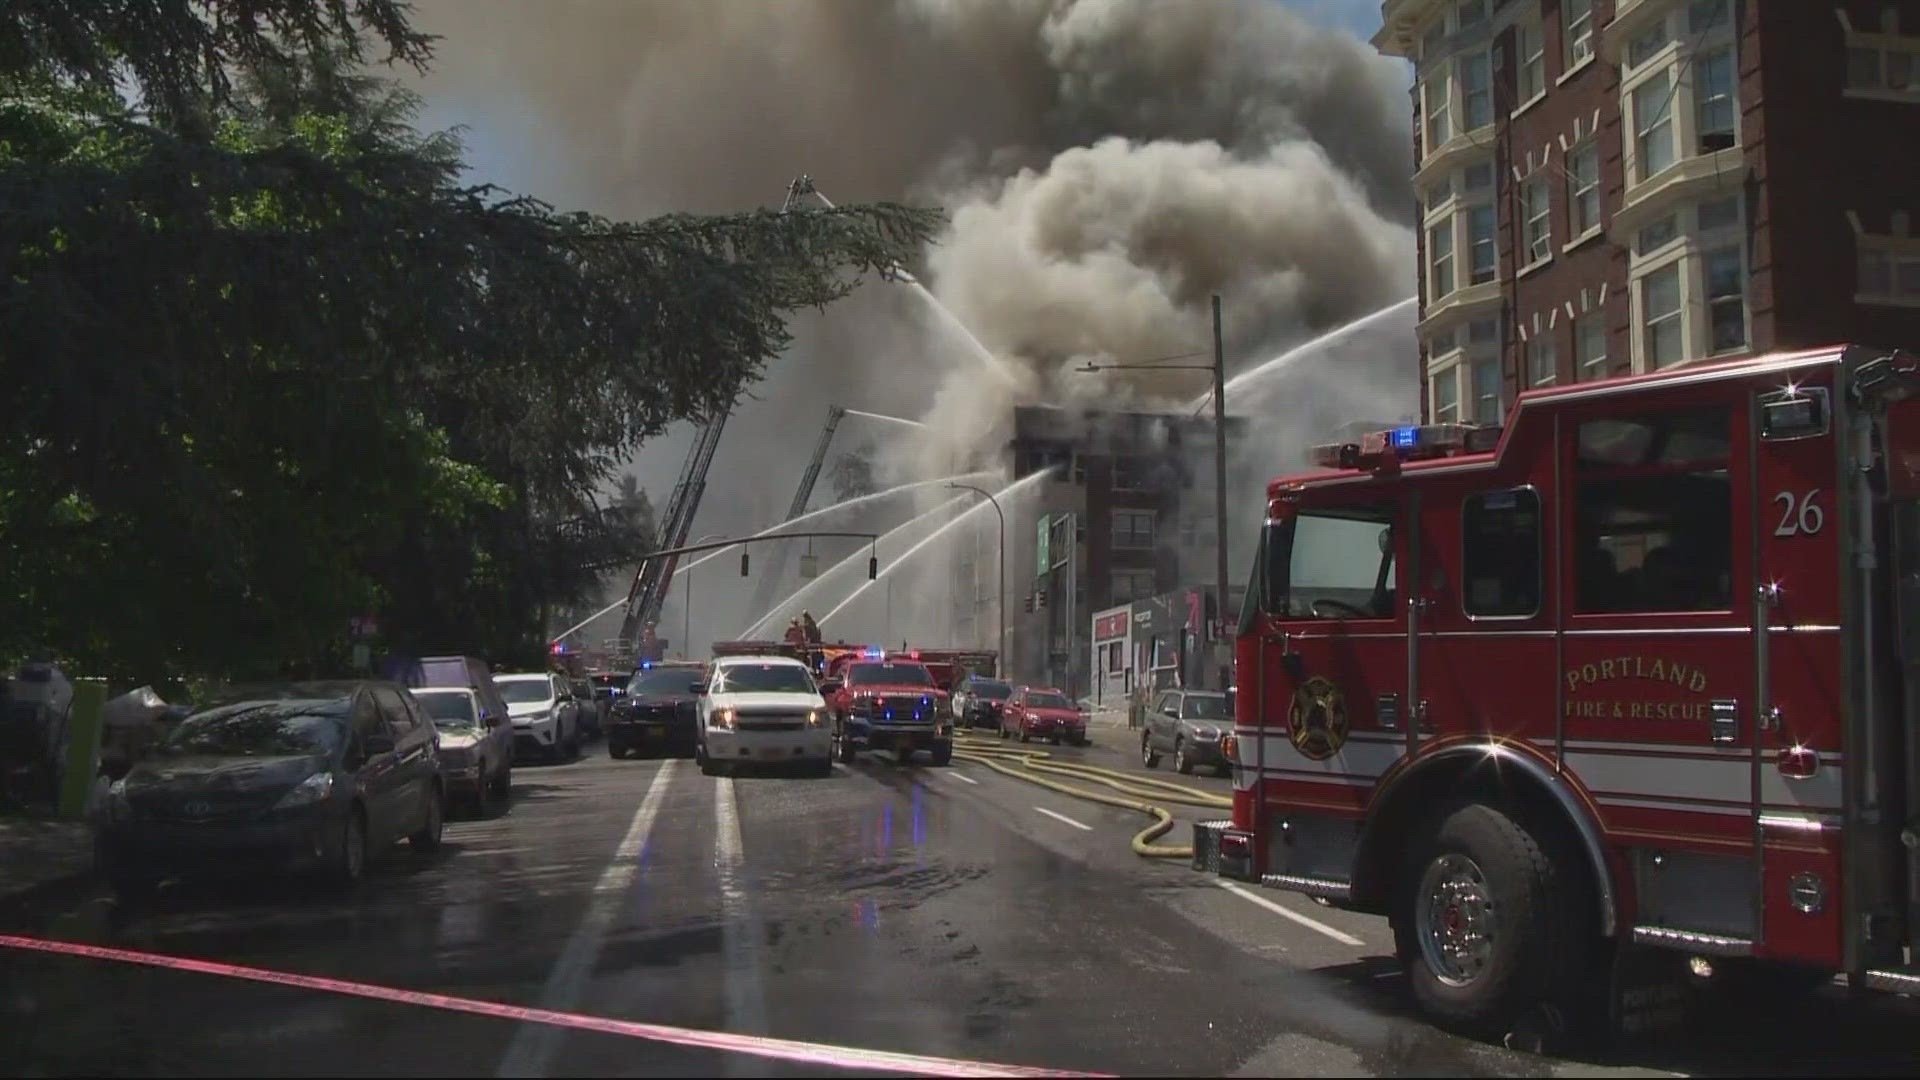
x,y
1617,186
1140,488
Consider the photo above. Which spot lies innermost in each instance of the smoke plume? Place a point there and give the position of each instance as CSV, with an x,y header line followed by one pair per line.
x,y
1107,164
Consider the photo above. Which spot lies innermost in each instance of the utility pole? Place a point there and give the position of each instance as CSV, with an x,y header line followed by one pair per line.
x,y
1220,478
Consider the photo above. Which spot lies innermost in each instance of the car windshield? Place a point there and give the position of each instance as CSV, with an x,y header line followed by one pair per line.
x,y
262,729
522,691
1044,700
1206,707
450,709
772,678
889,675
998,691
670,681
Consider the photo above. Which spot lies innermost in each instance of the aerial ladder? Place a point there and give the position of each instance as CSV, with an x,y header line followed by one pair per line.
x,y
654,577
777,564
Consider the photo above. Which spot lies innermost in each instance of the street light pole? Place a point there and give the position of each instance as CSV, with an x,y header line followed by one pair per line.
x,y
1220,476
1000,603
686,613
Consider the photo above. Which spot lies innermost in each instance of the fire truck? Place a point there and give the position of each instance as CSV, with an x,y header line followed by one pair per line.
x,y
1631,675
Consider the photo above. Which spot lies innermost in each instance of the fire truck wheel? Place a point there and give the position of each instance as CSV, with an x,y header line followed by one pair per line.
x,y
1148,756
1487,923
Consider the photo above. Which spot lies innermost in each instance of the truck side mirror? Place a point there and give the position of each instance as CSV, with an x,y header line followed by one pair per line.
x,y
830,686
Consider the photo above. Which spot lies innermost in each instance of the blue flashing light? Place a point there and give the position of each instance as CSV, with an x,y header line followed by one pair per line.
x,y
646,665
1406,438
874,654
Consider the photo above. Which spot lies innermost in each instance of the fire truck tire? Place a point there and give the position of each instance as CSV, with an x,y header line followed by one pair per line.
x,y
1487,923
942,753
1148,755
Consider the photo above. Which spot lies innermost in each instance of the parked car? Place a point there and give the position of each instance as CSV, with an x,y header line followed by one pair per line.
x,y
979,701
761,710
476,756
1041,712
468,672
546,718
590,712
314,775
608,687
657,710
1188,724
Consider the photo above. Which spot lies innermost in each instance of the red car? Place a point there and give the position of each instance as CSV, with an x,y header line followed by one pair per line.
x,y
1041,712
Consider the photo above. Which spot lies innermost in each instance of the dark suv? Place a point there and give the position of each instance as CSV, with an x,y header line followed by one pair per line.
x,y
980,702
307,775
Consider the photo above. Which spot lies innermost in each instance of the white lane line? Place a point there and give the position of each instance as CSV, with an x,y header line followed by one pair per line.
x,y
1340,936
534,1045
740,931
962,777
1065,818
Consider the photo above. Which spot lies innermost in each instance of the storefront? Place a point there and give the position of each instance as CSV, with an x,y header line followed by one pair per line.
x,y
1112,665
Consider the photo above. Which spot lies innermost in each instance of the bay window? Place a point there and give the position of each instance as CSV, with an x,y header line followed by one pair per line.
x,y
1716,121
1476,91
1652,126
1725,275
1446,395
1436,97
1440,259
1662,318
1483,260
1487,406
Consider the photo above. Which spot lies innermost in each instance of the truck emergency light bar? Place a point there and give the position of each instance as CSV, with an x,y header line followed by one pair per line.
x,y
1409,443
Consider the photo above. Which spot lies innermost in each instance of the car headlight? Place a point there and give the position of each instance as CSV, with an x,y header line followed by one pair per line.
x,y
311,790
721,718
816,718
1206,731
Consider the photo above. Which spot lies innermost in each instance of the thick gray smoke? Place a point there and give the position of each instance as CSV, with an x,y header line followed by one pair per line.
x,y
1107,163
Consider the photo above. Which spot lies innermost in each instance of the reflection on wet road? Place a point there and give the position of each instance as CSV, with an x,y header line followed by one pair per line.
x,y
886,908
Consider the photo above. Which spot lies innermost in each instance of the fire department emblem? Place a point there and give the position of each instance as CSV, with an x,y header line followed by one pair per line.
x,y
1317,722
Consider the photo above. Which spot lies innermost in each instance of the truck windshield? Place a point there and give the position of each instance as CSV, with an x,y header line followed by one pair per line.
x,y
763,678
889,675
1333,563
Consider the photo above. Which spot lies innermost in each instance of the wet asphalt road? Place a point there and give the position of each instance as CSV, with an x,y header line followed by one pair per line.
x,y
945,912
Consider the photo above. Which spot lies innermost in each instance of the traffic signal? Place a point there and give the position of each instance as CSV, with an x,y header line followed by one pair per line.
x,y
743,564
873,567
1029,599
1040,601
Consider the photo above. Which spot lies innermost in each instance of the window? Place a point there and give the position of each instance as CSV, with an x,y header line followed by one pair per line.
x,y
1336,563
1543,360
1537,209
1476,91
1133,528
1660,316
1718,214
1531,46
1656,235
1477,177
1590,346
1446,396
1482,332
1881,69
1131,585
1130,473
1482,255
1715,118
1653,126
1487,407
1647,45
1577,17
1472,13
1653,520
1706,15
1583,189
1440,254
1726,300
1500,555
1435,92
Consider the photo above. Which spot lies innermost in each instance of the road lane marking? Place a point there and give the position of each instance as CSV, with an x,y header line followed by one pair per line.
x,y
962,777
1340,936
1065,818
740,931
825,1055
534,1046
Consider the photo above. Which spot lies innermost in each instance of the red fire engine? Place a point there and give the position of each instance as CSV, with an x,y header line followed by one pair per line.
x,y
1634,670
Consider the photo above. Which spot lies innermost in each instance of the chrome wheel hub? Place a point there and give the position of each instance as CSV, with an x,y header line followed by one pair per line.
x,y
1453,918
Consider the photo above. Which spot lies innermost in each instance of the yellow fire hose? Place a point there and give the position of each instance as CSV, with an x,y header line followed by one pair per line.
x,y
1024,764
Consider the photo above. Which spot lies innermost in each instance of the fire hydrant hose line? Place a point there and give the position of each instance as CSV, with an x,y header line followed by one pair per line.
x,y
1027,765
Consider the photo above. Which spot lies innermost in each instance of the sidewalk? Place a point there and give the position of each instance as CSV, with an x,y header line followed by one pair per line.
x,y
1111,719
37,851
